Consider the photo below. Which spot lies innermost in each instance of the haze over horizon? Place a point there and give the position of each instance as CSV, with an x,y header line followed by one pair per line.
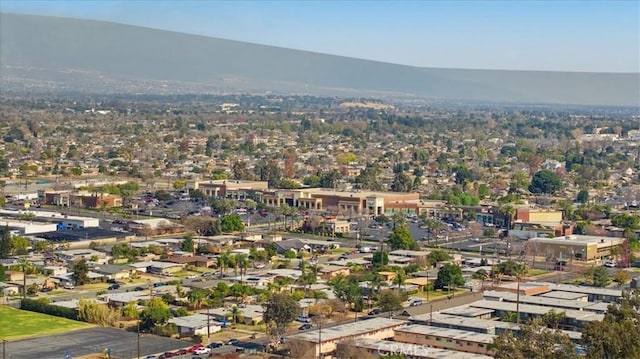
x,y
593,36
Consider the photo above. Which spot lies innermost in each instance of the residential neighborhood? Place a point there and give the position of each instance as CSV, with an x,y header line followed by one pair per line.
x,y
315,230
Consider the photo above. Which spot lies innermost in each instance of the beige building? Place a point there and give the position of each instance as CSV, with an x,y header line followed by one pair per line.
x,y
375,328
444,338
229,188
577,246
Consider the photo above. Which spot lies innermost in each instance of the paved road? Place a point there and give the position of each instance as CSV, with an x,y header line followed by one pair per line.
x,y
123,344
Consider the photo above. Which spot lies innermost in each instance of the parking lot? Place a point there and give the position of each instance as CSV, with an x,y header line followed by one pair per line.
x,y
122,344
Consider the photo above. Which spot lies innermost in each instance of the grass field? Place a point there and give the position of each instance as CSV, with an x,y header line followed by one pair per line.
x,y
17,324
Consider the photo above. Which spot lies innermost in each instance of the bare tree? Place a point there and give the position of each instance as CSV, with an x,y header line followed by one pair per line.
x,y
301,349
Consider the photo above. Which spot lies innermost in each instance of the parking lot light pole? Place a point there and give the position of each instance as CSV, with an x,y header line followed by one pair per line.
x,y
4,349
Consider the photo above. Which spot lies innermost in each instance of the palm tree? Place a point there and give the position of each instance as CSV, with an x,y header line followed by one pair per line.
x,y
223,261
553,318
242,260
517,270
399,279
318,294
510,317
196,297
236,314
508,211
233,262
481,275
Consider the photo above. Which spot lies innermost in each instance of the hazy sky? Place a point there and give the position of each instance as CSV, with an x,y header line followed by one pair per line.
x,y
537,35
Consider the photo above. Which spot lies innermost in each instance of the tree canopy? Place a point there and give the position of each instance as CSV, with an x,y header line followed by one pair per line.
x,y
618,334
401,238
533,341
545,181
280,310
449,274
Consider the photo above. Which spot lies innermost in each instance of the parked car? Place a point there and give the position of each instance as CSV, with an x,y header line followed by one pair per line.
x,y
195,347
215,345
375,312
305,327
203,350
114,286
303,319
233,341
69,286
112,281
609,264
138,288
46,289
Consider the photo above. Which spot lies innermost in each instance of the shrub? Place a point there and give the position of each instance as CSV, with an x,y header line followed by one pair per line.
x,y
43,306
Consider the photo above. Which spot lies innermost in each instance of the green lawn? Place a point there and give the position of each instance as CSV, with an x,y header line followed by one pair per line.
x,y
16,324
536,272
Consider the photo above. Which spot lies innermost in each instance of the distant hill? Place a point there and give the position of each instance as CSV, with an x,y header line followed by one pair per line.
x,y
50,53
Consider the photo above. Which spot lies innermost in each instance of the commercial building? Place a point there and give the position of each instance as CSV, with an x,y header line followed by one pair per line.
x,y
344,202
236,189
375,328
578,247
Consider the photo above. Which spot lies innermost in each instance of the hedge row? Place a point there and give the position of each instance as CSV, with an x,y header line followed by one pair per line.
x,y
43,306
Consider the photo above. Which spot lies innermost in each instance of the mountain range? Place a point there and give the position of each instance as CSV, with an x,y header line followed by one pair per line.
x,y
41,53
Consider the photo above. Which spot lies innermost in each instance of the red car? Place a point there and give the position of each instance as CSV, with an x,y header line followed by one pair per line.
x,y
194,348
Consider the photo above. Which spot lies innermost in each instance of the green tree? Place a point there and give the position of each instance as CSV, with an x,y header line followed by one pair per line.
x,y
533,341
231,223
448,275
622,277
389,301
618,334
583,196
280,310
600,277
380,259
436,256
481,275
545,181
3,273
80,270
401,238
5,243
187,245
157,312
236,314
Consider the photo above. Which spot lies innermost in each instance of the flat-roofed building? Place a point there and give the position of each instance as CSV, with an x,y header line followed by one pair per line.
x,y
574,318
493,327
526,288
546,302
607,295
451,339
557,294
345,202
237,189
375,328
384,348
577,246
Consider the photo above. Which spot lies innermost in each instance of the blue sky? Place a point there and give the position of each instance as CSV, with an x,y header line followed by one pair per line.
x,y
537,35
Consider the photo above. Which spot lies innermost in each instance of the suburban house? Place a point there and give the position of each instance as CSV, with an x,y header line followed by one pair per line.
x,y
197,261
110,271
196,324
8,289
251,314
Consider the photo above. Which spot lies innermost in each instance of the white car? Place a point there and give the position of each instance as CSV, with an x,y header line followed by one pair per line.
x,y
609,264
69,286
203,350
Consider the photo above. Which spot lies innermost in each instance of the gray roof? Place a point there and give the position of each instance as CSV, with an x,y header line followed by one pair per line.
x,y
350,329
417,351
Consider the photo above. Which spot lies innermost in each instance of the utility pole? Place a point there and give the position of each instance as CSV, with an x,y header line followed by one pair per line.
x,y
138,338
208,326
4,349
